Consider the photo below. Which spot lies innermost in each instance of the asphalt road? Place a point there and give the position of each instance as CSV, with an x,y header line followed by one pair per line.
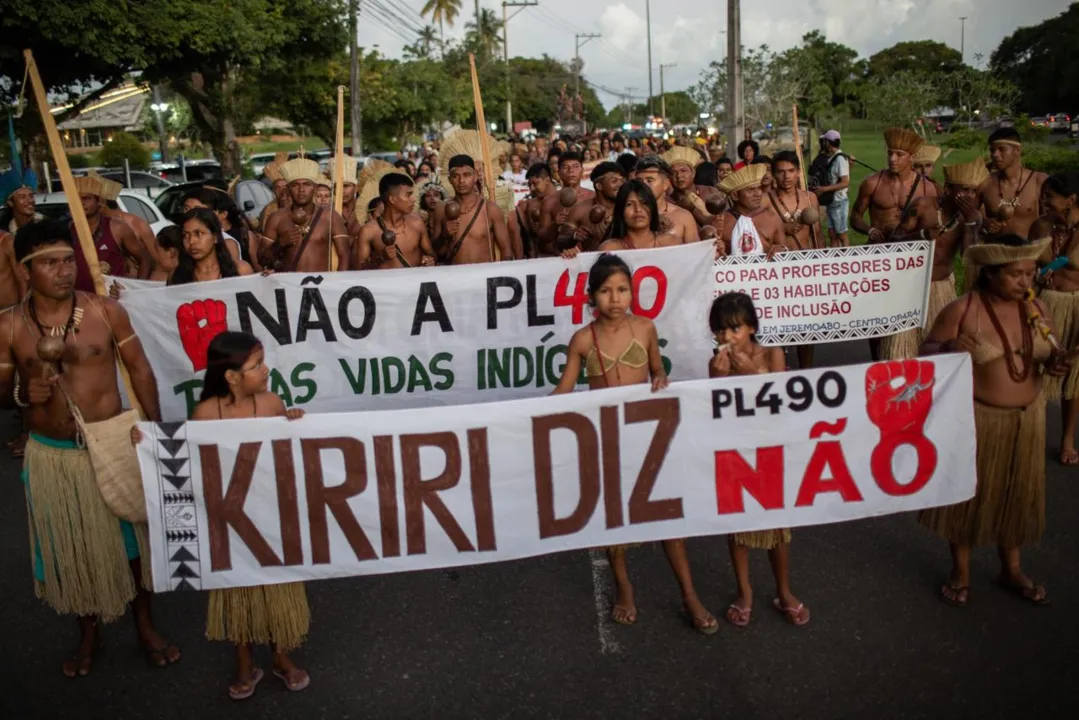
x,y
526,640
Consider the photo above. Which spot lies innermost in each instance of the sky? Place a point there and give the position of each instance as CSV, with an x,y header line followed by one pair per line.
x,y
691,33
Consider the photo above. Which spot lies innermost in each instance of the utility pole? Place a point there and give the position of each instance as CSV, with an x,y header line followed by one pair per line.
x,y
577,55
355,116
735,119
506,54
963,39
629,104
662,95
648,23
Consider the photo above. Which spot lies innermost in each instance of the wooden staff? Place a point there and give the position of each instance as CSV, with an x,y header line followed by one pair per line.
x,y
338,171
488,171
802,165
82,226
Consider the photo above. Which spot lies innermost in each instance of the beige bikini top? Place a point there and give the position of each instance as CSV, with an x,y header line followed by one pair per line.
x,y
985,352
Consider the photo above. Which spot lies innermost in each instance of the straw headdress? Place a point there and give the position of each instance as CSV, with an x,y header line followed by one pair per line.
x,y
465,142
445,192
110,189
369,191
373,168
682,154
747,177
300,169
927,154
323,181
903,140
988,254
273,169
970,174
89,185
348,170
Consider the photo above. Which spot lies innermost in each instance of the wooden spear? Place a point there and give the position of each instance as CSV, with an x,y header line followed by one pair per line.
x,y
802,164
338,171
481,126
82,226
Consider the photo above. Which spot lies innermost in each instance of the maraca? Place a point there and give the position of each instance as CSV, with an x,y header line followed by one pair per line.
x,y
715,205
389,237
597,214
708,232
1005,212
50,348
567,197
453,210
809,216
299,216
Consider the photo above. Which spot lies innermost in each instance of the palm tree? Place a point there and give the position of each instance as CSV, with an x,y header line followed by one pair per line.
x,y
442,11
427,38
487,39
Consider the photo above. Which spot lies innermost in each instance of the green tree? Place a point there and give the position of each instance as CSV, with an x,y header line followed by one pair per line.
x,y
680,106
1043,62
901,99
125,146
925,57
444,12
484,39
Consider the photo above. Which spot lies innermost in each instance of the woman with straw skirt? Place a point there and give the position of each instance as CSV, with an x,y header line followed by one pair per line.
x,y
1010,340
1060,293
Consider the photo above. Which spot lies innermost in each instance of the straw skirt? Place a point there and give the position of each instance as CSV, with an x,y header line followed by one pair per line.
x,y
1063,307
261,615
905,345
1008,507
763,539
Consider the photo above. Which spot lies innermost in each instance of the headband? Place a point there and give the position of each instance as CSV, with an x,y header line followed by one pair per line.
x,y
1016,143
47,251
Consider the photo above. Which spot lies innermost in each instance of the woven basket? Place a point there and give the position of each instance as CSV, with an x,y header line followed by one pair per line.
x,y
116,464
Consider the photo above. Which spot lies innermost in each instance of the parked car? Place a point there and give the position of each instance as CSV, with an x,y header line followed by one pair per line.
x,y
259,161
171,202
196,170
1039,121
390,157
1059,122
142,182
54,205
251,197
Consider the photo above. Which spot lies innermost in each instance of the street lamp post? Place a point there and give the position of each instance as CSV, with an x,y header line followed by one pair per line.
x,y
160,109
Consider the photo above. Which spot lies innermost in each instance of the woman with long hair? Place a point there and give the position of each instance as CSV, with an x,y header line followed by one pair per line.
x,y
635,221
205,256
617,349
170,243
1009,336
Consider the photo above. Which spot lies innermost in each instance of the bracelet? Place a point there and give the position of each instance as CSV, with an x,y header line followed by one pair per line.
x,y
18,402
971,224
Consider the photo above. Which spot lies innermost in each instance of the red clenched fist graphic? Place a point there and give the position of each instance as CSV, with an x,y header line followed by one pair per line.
x,y
199,322
899,396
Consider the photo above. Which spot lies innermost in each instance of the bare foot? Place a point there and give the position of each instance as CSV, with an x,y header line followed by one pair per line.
x,y
624,611
159,651
81,661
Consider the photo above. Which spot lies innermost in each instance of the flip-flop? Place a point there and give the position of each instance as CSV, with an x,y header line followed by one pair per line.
x,y
159,657
1030,593
956,593
739,616
798,616
299,679
79,661
629,615
1069,457
705,624
248,686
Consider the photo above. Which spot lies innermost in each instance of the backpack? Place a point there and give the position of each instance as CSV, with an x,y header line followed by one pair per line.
x,y
818,176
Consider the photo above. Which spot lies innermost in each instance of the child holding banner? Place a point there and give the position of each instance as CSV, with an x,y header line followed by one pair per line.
x,y
610,291
235,388
733,320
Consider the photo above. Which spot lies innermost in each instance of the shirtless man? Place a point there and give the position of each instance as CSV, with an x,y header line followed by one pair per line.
x,y
789,202
92,569
886,193
685,193
607,178
552,213
281,200
22,205
348,199
410,247
953,222
1011,195
765,232
530,210
925,163
471,237
115,241
302,248
654,172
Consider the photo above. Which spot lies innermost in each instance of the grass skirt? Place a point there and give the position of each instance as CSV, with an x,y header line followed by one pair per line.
x,y
762,539
79,549
905,345
1064,309
261,615
1008,507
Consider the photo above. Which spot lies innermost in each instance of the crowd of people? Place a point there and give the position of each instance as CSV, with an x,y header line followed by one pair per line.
x,y
1018,318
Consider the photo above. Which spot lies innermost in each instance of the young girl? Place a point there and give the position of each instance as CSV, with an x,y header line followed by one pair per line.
x,y
618,348
733,320
235,388
170,243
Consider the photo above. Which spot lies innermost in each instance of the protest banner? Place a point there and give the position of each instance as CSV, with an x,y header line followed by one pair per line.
x,y
819,296
419,336
248,502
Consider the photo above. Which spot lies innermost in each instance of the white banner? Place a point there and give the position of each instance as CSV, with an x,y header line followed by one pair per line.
x,y
416,337
249,502
819,296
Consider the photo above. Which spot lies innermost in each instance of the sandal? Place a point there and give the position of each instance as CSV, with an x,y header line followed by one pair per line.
x,y
1033,593
1069,457
704,624
244,690
162,656
955,596
795,615
295,679
624,615
739,616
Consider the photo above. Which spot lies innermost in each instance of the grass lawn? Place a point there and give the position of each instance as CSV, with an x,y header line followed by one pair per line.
x,y
308,143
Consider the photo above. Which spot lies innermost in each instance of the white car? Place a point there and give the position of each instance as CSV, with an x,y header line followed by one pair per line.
x,y
130,201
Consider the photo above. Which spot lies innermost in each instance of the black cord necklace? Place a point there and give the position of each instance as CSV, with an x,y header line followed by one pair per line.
x,y
72,323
